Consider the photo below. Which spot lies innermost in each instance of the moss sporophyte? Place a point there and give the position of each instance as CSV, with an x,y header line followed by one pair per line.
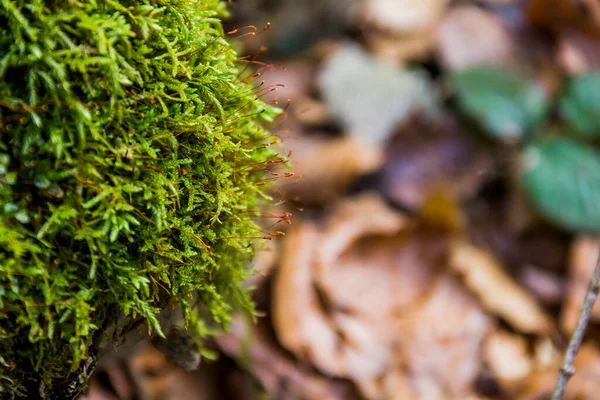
x,y
129,147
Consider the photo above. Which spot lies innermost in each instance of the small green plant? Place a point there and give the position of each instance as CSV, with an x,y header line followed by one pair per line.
x,y
560,163
132,163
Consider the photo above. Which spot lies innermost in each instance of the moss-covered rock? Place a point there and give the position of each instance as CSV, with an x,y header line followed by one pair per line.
x,y
131,166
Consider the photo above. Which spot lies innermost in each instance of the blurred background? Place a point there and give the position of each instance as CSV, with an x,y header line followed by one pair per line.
x,y
443,194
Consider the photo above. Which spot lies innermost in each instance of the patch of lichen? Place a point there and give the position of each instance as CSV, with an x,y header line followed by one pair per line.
x,y
130,168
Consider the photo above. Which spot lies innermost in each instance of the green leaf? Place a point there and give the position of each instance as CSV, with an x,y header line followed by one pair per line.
x,y
562,178
580,106
506,104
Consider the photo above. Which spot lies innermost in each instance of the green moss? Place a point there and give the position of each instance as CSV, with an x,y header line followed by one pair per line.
x,y
130,170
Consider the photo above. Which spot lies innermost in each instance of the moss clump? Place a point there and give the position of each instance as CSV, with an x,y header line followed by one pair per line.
x,y
129,151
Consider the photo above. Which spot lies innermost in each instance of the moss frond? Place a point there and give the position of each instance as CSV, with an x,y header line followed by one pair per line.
x,y
128,147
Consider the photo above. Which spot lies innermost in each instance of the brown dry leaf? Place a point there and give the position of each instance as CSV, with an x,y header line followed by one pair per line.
x,y
324,168
251,345
426,157
352,219
507,356
584,254
469,36
499,294
441,341
301,323
578,52
359,298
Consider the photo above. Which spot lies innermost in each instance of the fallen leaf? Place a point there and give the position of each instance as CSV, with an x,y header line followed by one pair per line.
x,y
577,52
301,323
469,36
402,16
441,341
546,286
427,157
547,354
507,356
584,254
400,48
148,375
325,167
583,15
255,351
360,297
400,31
394,386
371,98
499,294
352,219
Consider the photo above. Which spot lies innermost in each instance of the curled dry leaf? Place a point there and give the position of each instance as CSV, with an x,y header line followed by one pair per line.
x,y
360,298
583,257
498,293
324,168
426,157
469,36
302,325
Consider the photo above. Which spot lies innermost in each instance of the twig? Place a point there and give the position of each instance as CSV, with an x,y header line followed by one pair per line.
x,y
567,370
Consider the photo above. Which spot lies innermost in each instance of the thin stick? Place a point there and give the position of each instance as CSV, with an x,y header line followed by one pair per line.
x,y
567,370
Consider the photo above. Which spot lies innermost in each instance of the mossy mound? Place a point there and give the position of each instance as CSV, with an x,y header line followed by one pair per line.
x,y
131,166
